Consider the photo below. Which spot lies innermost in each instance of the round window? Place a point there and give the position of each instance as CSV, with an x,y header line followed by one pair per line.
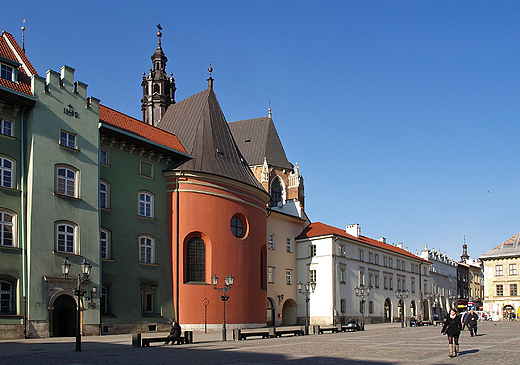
x,y
237,227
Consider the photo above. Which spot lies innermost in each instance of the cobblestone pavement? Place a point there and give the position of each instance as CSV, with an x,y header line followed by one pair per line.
x,y
497,343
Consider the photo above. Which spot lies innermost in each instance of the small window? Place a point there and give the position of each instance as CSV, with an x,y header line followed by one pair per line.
x,y
104,196
500,290
103,301
371,257
342,276
147,300
270,241
146,250
6,72
390,262
6,172
65,238
499,271
512,269
391,283
312,276
66,182
288,277
6,128
145,205
237,227
385,261
376,280
376,259
361,255
343,306
270,275
288,245
7,305
67,139
6,229
371,307
312,250
513,290
105,244
146,169
103,157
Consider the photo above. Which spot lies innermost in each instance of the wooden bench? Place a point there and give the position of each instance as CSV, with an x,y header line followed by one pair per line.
x,y
326,329
294,332
147,341
245,335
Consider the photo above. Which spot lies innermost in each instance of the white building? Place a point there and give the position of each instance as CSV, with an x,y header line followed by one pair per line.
x,y
443,285
341,260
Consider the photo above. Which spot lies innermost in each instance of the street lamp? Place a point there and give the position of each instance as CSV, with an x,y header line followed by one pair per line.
x,y
83,278
402,295
228,284
309,287
362,291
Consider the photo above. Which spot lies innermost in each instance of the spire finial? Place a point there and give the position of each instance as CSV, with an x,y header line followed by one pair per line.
x,y
269,110
159,34
210,80
23,36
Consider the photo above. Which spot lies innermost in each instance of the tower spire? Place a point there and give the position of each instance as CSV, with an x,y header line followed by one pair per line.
x,y
23,36
210,80
158,88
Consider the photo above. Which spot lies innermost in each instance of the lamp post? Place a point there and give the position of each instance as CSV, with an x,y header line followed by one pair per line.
x,y
362,291
228,284
309,287
402,295
83,278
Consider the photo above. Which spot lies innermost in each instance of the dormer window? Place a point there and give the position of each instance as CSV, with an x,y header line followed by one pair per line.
x,y
6,72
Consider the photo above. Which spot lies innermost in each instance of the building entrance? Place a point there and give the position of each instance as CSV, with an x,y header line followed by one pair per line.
x,y
64,317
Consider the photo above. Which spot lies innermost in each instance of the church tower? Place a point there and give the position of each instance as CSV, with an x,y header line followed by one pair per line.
x,y
158,88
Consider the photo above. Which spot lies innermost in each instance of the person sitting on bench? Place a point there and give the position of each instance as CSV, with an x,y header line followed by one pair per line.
x,y
175,332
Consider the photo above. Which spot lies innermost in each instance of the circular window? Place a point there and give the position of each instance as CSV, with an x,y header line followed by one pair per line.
x,y
237,227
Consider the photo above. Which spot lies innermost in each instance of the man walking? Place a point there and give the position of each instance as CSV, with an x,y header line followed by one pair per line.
x,y
471,321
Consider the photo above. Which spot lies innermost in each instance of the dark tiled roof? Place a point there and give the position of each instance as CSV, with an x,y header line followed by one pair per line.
x,y
508,248
258,139
199,123
24,81
320,229
138,128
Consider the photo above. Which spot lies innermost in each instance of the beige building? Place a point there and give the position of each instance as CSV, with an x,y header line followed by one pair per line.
x,y
501,279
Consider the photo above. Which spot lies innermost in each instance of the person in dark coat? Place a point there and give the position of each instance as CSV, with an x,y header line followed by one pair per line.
x,y
452,327
175,331
471,321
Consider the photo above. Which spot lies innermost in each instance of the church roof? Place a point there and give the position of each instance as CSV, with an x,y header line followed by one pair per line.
x,y
507,248
139,129
318,229
10,50
199,123
258,140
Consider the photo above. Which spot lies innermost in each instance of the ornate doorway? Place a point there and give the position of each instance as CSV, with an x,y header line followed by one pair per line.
x,y
270,313
388,310
64,317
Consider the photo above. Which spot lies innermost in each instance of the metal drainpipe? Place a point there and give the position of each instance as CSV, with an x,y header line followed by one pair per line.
x,y
22,218
334,279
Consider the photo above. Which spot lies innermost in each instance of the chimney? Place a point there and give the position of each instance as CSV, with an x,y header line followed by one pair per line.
x,y
382,239
399,245
353,230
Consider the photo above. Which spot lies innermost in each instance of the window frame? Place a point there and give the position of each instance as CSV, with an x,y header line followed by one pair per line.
x,y
271,241
6,71
143,204
312,276
237,226
3,127
7,298
499,270
196,260
7,173
106,160
513,269
105,244
105,193
312,250
513,290
288,277
68,139
70,235
499,290
4,230
288,245
270,275
148,255
66,179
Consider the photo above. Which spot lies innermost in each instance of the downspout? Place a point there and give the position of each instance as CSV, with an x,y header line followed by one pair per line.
x,y
22,218
421,291
100,286
334,280
177,248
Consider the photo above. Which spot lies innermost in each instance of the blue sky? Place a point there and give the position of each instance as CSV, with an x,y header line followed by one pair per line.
x,y
402,115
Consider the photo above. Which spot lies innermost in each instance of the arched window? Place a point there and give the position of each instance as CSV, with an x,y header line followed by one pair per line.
x,y
65,238
6,172
276,192
196,263
104,195
146,249
145,204
6,229
66,181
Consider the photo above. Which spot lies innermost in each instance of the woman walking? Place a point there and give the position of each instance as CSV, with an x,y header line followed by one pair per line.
x,y
452,328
